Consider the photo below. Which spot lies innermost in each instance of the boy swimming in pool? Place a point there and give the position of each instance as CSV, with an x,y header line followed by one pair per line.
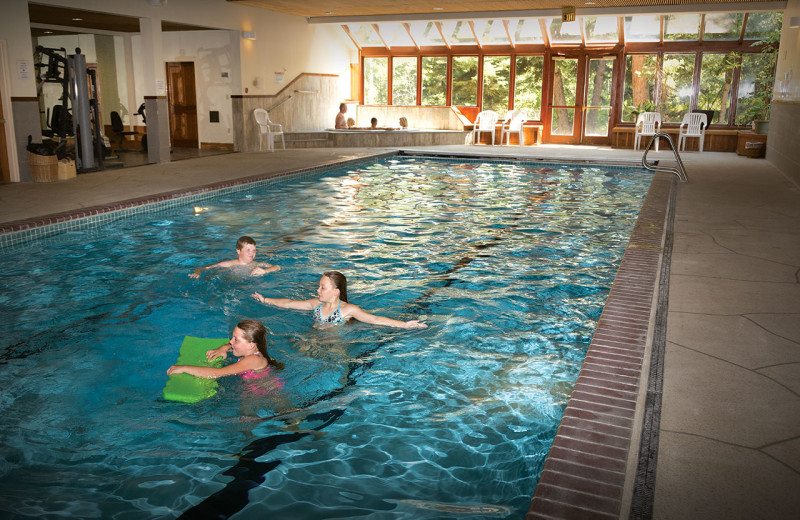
x,y
245,253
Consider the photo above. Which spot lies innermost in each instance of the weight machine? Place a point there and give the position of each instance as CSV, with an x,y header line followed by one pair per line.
x,y
77,113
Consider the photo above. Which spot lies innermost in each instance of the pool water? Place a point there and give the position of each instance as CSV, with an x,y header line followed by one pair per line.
x,y
509,265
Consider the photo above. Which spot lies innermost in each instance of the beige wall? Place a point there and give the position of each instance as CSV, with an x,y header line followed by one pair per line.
x,y
783,143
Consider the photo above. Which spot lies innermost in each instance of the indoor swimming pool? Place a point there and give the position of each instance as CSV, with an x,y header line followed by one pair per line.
x,y
508,263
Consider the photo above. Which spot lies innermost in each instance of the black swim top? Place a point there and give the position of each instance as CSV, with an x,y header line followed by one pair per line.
x,y
335,317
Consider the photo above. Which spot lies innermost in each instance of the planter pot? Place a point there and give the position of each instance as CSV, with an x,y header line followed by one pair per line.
x,y
761,126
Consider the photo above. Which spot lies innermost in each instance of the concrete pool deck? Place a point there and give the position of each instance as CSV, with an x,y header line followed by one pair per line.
x,y
728,439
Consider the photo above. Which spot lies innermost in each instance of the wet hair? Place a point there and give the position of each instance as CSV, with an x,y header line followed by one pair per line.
x,y
245,241
373,121
254,331
339,281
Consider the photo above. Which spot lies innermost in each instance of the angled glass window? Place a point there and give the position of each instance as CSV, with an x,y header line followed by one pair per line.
x,y
376,81
496,83
716,82
723,26
458,32
434,80
681,27
601,29
678,71
639,92
491,32
643,28
404,81
395,34
365,35
465,81
528,85
425,33
525,31
762,25
564,32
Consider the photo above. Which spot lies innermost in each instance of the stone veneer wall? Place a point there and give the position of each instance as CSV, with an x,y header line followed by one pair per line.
x,y
309,102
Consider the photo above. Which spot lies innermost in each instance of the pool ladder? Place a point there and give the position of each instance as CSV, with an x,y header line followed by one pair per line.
x,y
680,171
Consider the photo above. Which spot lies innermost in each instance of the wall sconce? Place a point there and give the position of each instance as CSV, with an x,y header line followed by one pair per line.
x,y
249,35
794,22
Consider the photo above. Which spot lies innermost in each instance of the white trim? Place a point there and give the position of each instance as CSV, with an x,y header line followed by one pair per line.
x,y
5,99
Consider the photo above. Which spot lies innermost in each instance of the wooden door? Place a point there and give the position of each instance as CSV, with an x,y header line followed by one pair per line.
x,y
5,168
182,104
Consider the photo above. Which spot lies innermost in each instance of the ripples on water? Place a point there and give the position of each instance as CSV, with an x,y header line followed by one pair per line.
x,y
509,266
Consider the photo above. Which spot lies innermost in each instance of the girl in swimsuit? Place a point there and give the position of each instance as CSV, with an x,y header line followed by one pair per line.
x,y
331,307
248,343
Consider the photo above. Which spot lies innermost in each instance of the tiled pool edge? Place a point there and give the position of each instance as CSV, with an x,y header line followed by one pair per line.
x,y
21,231
587,473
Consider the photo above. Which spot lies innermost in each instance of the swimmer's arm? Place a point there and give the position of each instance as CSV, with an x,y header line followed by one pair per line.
x,y
361,315
224,263
285,303
264,268
246,363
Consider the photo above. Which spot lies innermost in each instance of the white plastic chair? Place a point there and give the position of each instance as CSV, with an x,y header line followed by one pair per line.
x,y
268,128
485,122
513,125
647,124
693,125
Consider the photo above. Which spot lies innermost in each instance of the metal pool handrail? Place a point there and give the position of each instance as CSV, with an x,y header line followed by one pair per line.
x,y
680,171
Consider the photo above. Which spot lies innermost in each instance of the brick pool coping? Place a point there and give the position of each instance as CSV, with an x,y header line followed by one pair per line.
x,y
589,471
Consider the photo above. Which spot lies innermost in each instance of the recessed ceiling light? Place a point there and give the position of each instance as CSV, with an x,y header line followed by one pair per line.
x,y
589,3
438,8
48,32
77,19
328,12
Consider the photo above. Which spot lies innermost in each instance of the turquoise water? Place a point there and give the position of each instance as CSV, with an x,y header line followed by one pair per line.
x,y
509,265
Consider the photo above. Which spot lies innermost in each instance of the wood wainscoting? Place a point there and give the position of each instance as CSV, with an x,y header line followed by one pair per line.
x,y
722,140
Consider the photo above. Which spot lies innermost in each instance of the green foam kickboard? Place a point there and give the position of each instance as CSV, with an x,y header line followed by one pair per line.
x,y
187,388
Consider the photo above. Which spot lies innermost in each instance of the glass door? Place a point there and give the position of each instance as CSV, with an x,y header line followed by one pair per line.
x,y
597,104
566,100
580,100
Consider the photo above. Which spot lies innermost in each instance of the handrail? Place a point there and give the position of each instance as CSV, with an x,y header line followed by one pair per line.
x,y
279,103
680,171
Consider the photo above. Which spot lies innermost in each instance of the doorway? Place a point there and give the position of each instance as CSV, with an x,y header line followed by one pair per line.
x,y
581,96
182,101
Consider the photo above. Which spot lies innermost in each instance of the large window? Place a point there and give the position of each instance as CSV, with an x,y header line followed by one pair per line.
x,y
404,81
716,82
528,85
639,94
496,82
756,73
434,80
376,81
676,86
465,81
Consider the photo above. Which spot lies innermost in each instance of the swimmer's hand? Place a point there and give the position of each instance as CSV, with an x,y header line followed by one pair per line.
x,y
176,369
219,352
258,297
196,273
415,324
